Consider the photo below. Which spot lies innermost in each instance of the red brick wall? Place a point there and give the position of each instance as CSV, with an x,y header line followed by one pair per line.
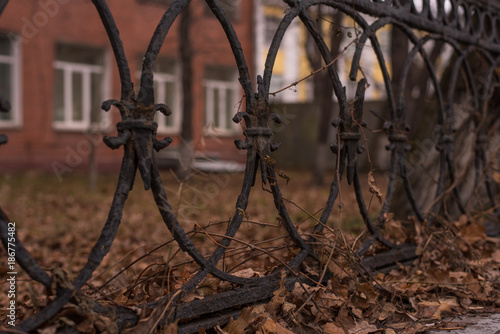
x,y
36,145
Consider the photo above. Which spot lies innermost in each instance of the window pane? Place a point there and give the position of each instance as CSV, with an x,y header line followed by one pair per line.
x,y
77,109
79,54
220,73
170,101
5,88
77,86
96,80
164,65
5,47
276,83
59,95
170,94
229,108
156,88
215,93
159,117
206,91
271,25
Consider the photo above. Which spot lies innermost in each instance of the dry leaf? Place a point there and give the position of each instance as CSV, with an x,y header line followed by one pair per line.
x,y
247,273
284,176
393,229
496,177
172,328
86,326
270,161
240,325
427,309
279,296
472,233
373,186
387,310
495,257
363,327
331,328
49,330
446,305
272,327
365,296
344,319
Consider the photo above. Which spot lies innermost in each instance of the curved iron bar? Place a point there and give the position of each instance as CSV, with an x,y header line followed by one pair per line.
x,y
100,249
275,45
481,124
135,133
117,45
484,144
258,113
449,115
137,119
3,4
396,128
368,32
258,137
445,145
258,145
257,134
404,15
23,257
324,51
442,115
235,44
146,92
395,160
348,147
299,8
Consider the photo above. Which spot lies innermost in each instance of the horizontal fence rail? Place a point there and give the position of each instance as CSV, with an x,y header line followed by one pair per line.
x,y
470,29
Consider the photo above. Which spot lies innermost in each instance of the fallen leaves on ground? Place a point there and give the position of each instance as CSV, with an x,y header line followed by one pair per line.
x,y
457,271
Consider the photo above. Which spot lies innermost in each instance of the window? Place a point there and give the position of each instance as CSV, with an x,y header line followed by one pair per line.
x,y
271,24
168,91
221,98
277,83
10,80
79,87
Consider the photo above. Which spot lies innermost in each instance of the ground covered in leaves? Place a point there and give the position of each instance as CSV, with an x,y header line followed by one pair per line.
x,y
457,271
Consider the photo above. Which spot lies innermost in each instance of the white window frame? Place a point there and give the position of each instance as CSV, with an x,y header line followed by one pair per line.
x,y
223,86
86,70
14,60
161,79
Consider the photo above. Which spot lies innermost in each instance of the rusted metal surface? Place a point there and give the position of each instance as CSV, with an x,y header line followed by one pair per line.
x,y
467,26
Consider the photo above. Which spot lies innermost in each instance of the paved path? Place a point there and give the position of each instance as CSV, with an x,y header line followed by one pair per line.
x,y
479,325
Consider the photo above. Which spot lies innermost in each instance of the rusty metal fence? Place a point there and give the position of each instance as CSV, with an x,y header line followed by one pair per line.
x,y
471,29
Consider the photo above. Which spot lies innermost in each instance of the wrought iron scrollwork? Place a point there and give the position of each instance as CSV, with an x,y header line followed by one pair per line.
x,y
459,29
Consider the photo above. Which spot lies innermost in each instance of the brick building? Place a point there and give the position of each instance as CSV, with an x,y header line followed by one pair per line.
x,y
57,66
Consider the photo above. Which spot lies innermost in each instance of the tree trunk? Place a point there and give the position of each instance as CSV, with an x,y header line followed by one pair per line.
x,y
323,97
186,147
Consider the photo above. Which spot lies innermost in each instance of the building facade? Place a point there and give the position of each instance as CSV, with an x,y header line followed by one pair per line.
x,y
57,66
